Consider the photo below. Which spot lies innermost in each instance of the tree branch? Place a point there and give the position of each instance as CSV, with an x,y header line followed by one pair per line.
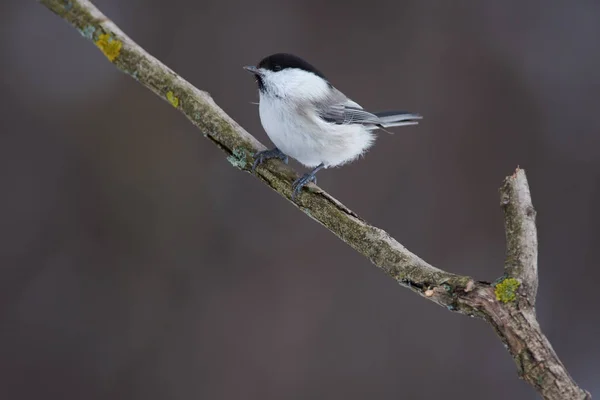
x,y
521,234
506,307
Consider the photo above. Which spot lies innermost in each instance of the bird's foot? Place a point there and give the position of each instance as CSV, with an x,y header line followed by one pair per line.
x,y
304,180
265,155
301,182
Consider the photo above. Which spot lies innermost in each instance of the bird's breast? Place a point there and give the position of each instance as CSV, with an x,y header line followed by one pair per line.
x,y
302,135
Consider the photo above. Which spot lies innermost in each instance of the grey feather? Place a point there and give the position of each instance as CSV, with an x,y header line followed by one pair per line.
x,y
342,114
338,109
397,118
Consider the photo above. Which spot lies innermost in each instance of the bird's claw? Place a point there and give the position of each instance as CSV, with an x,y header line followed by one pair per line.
x,y
301,182
265,155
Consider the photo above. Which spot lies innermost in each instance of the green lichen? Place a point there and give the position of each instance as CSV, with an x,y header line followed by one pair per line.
x,y
238,158
134,75
88,32
540,380
506,291
174,100
110,46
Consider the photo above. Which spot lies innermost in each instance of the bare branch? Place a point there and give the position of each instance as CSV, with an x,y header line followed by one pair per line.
x,y
502,305
521,233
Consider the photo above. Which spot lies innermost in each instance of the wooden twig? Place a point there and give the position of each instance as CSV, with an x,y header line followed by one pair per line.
x,y
521,234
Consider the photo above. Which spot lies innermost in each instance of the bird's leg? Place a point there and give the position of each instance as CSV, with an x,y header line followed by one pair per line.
x,y
263,156
306,178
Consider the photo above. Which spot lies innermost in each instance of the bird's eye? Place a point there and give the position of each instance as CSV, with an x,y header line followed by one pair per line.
x,y
276,67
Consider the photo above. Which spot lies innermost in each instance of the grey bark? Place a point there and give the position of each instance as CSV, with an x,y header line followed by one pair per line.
x,y
521,234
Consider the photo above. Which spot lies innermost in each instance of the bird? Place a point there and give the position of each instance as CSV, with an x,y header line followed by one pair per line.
x,y
310,120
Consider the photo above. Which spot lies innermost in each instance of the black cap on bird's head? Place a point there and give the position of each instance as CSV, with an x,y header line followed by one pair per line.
x,y
279,62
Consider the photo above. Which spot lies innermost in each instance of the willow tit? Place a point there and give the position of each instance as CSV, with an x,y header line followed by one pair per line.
x,y
310,120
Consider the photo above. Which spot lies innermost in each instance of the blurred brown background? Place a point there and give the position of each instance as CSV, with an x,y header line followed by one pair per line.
x,y
137,264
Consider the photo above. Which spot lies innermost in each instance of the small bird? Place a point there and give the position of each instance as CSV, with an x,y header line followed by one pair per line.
x,y
308,119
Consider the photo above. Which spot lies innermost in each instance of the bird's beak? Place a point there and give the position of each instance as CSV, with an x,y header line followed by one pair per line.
x,y
253,70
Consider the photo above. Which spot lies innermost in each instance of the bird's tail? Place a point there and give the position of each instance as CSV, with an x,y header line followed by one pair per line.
x,y
397,118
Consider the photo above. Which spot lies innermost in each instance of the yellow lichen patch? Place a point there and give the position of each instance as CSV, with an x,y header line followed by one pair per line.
x,y
174,100
507,290
110,46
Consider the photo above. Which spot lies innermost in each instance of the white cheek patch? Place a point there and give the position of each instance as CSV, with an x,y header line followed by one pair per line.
x,y
293,83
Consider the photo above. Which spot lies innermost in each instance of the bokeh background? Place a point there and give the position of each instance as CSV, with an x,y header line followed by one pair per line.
x,y
136,263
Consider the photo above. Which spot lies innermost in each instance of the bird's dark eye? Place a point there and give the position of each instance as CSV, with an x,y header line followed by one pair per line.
x,y
276,67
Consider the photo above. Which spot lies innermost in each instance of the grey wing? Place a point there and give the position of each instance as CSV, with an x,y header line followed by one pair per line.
x,y
339,109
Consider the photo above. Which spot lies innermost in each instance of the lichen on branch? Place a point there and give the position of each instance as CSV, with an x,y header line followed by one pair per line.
x,y
506,290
